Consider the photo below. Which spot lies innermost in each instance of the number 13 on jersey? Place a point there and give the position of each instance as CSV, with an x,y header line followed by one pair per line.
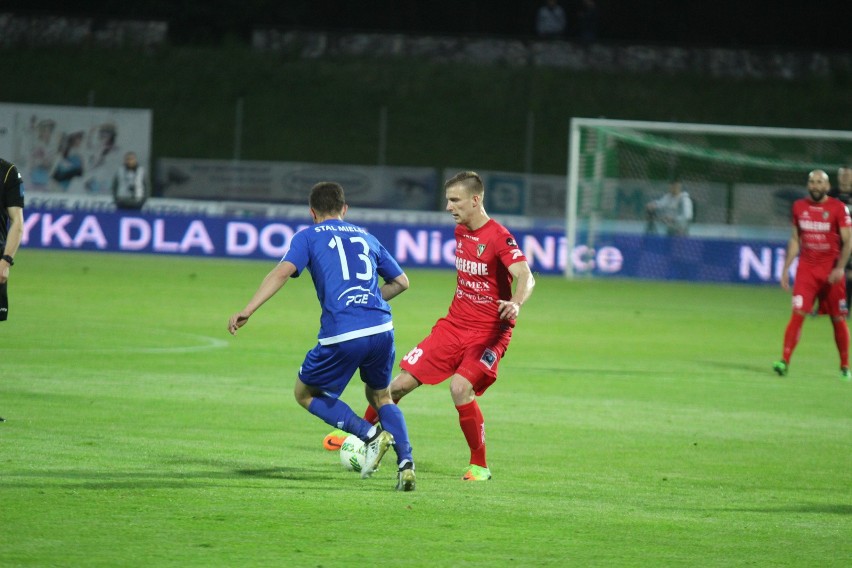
x,y
337,243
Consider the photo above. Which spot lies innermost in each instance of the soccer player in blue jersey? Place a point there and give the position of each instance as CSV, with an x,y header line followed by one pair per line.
x,y
356,330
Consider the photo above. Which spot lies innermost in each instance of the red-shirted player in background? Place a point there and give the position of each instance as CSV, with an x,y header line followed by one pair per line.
x,y
822,239
466,346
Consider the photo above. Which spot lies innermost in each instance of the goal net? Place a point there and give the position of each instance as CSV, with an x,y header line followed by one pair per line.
x,y
742,180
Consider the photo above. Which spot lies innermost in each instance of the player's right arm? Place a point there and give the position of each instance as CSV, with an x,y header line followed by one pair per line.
x,y
792,252
273,282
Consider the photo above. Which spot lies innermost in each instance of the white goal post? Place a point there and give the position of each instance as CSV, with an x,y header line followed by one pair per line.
x,y
739,177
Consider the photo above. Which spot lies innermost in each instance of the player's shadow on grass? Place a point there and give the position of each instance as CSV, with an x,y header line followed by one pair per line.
x,y
277,473
580,372
151,479
815,508
765,369
239,470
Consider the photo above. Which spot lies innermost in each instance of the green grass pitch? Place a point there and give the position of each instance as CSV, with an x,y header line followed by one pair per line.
x,y
633,424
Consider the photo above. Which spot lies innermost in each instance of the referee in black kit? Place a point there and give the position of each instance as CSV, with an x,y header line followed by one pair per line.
x,y
11,226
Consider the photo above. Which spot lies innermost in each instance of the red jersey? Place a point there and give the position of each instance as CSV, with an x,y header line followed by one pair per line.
x,y
819,227
483,258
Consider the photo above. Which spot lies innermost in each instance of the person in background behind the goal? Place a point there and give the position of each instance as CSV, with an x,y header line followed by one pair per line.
x,y
466,345
356,330
674,210
822,239
843,192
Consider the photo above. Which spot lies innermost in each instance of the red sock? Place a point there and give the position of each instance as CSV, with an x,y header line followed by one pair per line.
x,y
841,338
792,335
473,427
371,416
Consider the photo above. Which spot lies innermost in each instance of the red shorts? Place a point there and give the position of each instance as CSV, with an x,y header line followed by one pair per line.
x,y
450,350
810,286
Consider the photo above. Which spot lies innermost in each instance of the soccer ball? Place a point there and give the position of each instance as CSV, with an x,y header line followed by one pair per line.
x,y
353,453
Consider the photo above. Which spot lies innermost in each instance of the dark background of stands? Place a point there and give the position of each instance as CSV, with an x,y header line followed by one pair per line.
x,y
438,114
819,24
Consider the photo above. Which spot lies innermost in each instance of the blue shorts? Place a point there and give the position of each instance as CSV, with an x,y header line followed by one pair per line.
x,y
330,367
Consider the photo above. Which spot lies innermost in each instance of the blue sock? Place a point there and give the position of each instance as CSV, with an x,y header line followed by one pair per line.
x,y
337,413
394,422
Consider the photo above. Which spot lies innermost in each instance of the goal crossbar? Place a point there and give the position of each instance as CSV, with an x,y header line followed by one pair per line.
x,y
649,134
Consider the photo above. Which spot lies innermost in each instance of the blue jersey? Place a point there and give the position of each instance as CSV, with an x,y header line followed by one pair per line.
x,y
345,262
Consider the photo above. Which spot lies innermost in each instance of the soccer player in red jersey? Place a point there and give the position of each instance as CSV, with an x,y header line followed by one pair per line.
x,y
466,346
822,239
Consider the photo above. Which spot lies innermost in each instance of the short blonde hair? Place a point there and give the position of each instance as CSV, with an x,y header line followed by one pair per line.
x,y
470,180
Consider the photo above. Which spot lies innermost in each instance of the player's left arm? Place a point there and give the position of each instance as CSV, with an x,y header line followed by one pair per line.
x,y
273,282
393,288
839,270
524,284
395,280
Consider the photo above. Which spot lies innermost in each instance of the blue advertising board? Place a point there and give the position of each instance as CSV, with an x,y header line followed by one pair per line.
x,y
613,255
